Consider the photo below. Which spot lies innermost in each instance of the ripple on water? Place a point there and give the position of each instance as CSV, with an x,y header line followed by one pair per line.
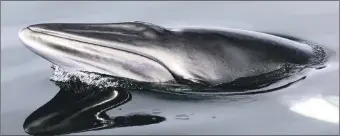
x,y
156,111
182,117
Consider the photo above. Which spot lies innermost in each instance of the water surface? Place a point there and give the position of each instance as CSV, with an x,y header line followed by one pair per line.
x,y
308,107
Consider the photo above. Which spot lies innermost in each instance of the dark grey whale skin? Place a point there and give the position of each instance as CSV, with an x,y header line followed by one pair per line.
x,y
268,57
228,59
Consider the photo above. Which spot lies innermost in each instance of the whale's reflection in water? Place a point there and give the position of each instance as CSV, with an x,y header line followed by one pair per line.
x,y
84,98
70,112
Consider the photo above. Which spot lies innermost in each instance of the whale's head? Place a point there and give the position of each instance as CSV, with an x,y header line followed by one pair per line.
x,y
104,48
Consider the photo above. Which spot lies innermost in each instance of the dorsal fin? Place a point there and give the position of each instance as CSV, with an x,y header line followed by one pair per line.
x,y
153,26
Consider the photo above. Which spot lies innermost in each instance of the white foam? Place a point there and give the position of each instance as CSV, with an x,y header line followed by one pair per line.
x,y
61,75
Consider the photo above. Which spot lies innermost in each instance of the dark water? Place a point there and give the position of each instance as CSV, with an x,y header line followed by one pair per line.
x,y
70,113
307,107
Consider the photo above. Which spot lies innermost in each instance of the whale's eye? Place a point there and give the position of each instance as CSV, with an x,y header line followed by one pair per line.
x,y
149,34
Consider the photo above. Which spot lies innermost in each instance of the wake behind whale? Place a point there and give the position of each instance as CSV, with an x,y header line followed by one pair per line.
x,y
188,61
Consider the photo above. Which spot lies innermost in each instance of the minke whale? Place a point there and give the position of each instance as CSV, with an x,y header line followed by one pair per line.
x,y
224,59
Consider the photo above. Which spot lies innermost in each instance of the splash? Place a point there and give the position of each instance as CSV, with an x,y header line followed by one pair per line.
x,y
82,81
61,75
